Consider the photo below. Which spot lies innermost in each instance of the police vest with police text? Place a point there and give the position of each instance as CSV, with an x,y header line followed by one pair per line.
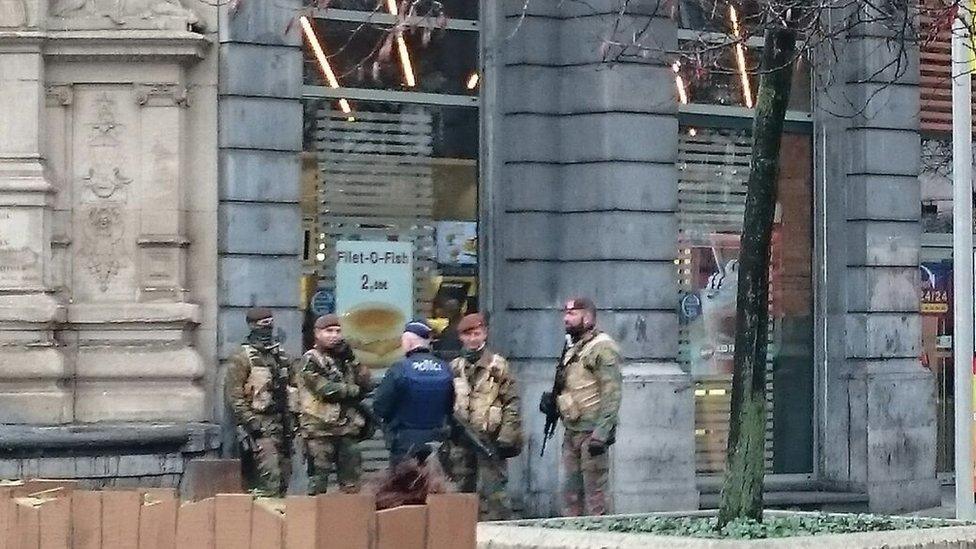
x,y
428,386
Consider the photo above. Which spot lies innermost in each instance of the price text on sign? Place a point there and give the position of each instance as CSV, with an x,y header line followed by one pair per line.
x,y
373,273
373,285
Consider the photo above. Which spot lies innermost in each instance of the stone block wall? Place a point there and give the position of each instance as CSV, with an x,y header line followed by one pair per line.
x,y
583,202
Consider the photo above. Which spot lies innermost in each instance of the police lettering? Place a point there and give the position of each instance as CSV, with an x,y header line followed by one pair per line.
x,y
427,365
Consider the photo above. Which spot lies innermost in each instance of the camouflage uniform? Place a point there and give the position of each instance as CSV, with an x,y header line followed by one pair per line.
x,y
330,387
588,406
486,399
257,389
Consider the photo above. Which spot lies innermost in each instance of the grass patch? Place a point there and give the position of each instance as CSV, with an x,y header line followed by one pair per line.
x,y
771,527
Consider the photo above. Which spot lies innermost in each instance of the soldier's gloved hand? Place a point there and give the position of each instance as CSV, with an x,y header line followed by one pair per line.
x,y
597,447
421,453
506,451
254,428
352,390
547,404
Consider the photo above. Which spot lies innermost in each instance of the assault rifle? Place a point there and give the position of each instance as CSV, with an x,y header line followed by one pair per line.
x,y
281,378
547,404
371,419
470,437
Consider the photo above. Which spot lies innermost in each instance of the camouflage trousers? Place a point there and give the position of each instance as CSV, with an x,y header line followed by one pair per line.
x,y
270,460
472,473
586,489
339,455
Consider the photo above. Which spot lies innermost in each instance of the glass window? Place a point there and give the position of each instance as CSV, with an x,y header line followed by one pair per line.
x,y
371,56
713,75
714,16
935,178
935,293
713,169
935,270
455,9
404,173
396,173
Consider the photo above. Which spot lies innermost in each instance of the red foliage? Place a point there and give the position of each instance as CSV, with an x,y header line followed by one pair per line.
x,y
409,483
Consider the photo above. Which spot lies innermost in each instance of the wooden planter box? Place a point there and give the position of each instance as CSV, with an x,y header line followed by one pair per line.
x,y
511,536
55,515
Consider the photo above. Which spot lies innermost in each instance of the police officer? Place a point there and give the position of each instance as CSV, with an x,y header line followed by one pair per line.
x,y
257,390
588,402
416,395
331,386
486,400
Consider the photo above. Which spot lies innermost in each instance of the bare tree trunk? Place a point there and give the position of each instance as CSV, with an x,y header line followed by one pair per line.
x,y
743,487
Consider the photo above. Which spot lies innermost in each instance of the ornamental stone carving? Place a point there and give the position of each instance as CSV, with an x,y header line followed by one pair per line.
x,y
104,185
13,14
59,95
160,95
102,250
105,128
122,14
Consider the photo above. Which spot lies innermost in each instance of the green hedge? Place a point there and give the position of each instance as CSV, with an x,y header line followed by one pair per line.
x,y
771,527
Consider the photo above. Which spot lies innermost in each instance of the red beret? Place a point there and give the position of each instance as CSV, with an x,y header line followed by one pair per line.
x,y
582,304
326,321
471,321
258,313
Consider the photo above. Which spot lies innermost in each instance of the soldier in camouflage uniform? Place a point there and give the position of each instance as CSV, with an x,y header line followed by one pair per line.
x,y
588,405
331,385
485,399
257,389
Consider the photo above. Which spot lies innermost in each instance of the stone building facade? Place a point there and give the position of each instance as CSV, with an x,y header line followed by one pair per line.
x,y
149,193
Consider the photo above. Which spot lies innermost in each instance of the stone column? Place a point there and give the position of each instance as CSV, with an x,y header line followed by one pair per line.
x,y
260,118
260,138
879,434
584,201
32,366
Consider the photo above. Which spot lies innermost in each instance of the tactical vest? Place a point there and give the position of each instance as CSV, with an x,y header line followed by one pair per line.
x,y
427,392
261,380
328,414
580,398
476,388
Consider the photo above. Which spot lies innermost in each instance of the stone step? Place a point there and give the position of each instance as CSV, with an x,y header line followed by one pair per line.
x,y
803,499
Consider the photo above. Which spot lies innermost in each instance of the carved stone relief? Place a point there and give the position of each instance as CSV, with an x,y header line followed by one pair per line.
x,y
104,197
105,129
102,251
59,95
160,95
13,14
129,14
20,253
103,185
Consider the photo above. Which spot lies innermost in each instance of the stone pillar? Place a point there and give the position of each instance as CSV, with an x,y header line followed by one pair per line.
x,y
32,365
259,221
583,202
879,432
260,121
